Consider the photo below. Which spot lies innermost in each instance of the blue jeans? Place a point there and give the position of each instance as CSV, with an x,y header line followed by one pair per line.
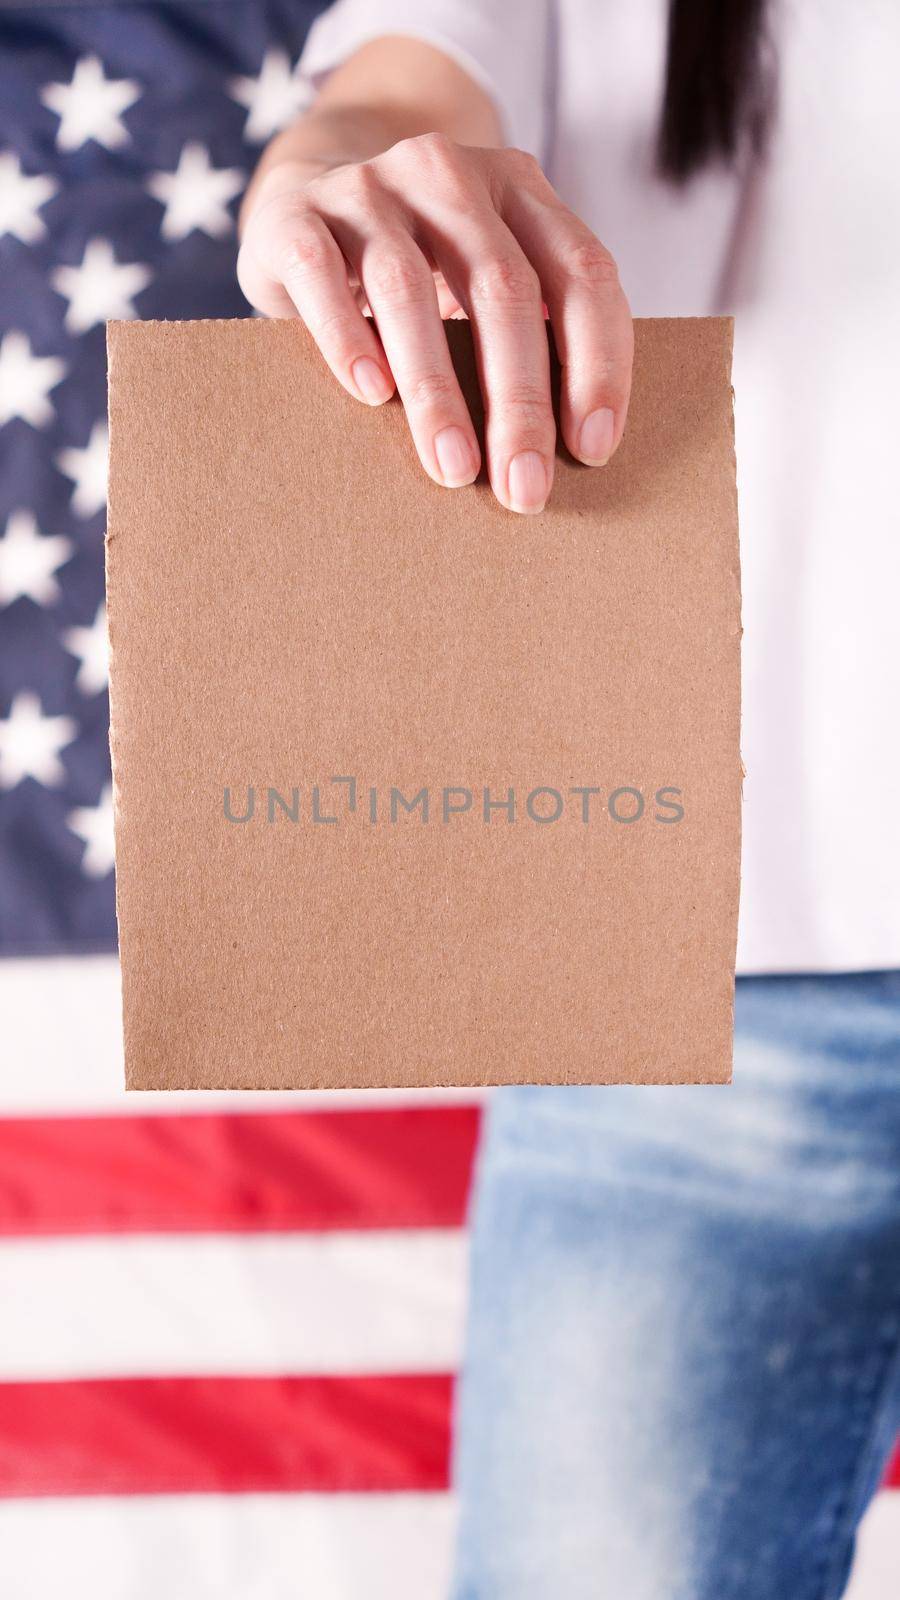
x,y
683,1370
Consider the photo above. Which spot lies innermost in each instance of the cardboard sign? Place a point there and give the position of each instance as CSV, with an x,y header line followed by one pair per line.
x,y
410,790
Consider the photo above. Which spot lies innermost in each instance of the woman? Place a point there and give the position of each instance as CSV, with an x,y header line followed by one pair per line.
x,y
683,1374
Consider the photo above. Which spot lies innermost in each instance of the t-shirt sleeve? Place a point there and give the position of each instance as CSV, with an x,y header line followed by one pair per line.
x,y
502,44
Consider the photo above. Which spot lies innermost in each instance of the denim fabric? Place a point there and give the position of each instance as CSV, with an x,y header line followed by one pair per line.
x,y
683,1370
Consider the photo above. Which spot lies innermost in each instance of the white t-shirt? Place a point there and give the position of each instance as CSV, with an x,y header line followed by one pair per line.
x,y
805,254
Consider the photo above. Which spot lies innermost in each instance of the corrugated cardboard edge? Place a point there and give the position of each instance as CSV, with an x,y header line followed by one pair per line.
x,y
108,537
738,600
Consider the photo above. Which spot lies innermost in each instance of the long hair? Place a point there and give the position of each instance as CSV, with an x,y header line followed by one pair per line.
x,y
719,87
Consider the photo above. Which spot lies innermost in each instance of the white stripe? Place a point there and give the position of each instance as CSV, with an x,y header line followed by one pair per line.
x,y
258,1547
876,1570
282,1547
61,1051
195,1304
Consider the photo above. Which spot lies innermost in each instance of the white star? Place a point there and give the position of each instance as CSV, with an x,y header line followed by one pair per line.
x,y
21,199
26,380
30,743
273,99
87,469
91,106
91,646
101,289
196,194
94,824
28,560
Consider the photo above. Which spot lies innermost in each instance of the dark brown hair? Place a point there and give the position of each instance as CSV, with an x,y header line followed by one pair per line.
x,y
719,84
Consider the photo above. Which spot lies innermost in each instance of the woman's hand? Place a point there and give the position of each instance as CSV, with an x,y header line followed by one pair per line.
x,y
432,226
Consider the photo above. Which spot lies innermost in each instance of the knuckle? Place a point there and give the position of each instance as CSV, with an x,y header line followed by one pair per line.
x,y
302,255
339,331
361,183
522,165
505,280
526,408
588,262
430,390
396,277
272,219
440,167
437,146
433,148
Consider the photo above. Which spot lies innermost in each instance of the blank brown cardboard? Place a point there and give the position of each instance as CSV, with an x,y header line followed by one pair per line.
x,y
294,605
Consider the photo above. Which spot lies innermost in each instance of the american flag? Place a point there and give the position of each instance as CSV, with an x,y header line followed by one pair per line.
x,y
229,1326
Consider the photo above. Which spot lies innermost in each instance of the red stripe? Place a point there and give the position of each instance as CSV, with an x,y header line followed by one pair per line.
x,y
230,1435
316,1170
225,1435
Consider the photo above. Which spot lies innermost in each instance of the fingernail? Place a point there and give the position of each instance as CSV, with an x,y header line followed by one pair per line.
x,y
527,482
455,457
595,440
371,382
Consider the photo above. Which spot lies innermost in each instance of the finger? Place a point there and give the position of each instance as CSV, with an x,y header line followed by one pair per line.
x,y
302,256
399,286
489,273
264,294
589,316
